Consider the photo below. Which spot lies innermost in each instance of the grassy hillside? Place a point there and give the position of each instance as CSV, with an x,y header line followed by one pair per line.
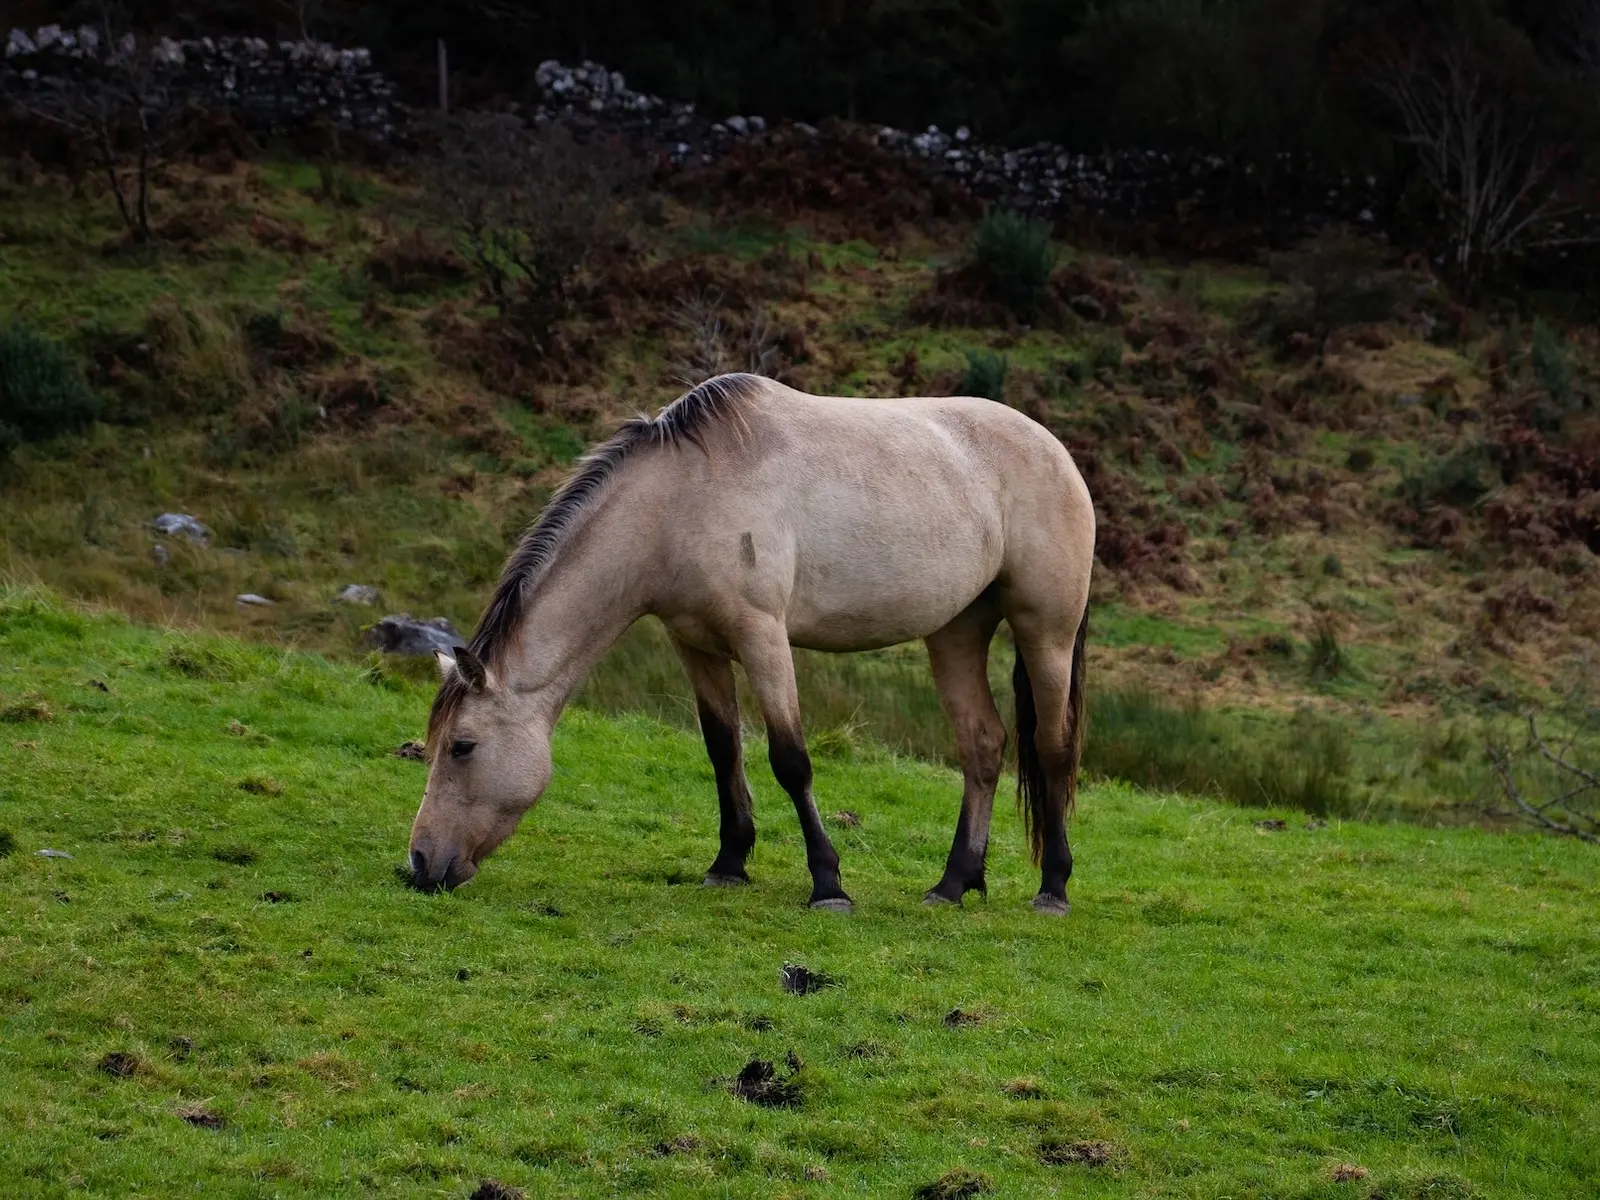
x,y
227,987
1327,562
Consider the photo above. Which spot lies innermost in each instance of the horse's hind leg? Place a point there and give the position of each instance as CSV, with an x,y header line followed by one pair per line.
x,y
1052,677
770,664
959,654
717,702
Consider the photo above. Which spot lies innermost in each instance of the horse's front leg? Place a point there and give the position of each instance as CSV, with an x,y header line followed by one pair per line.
x,y
716,700
764,650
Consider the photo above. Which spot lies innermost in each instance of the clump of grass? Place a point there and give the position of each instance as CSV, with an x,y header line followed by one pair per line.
x,y
201,356
1324,656
261,785
26,711
235,855
42,391
1016,256
986,375
200,660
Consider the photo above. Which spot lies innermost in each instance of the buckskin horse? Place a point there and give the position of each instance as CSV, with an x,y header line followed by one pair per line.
x,y
749,518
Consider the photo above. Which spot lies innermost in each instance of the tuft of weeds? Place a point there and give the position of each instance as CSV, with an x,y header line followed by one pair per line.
x,y
1325,658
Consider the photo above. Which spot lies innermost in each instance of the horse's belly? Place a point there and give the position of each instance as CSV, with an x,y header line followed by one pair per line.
x,y
880,591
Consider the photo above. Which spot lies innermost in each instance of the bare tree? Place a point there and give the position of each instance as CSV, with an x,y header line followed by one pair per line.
x,y
122,105
1546,782
716,348
1479,148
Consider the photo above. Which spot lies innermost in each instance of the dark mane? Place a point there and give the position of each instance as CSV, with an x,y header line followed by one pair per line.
x,y
684,420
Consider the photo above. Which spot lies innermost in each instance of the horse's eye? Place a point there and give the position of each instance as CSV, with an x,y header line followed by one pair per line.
x,y
461,748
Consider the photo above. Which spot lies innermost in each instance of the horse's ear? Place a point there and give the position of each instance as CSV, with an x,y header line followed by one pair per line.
x,y
446,661
471,669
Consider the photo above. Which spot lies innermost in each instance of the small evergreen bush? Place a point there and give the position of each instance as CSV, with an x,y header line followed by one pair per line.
x,y
1015,254
42,391
986,375
1550,363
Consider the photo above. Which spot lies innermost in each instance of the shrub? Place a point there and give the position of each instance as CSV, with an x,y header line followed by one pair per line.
x,y
42,391
1550,365
1016,257
1455,479
986,375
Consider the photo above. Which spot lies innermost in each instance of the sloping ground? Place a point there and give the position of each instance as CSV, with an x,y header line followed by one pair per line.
x,y
1306,527
226,987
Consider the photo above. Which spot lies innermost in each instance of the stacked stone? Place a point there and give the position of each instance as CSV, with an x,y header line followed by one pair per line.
x,y
271,86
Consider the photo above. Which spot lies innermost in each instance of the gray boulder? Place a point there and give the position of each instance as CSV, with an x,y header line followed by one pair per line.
x,y
181,525
357,593
401,633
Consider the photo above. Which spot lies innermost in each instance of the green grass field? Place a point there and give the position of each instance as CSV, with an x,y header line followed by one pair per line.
x,y
226,990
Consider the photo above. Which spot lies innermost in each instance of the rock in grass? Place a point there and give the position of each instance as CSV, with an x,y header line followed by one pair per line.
x,y
182,525
401,633
251,600
52,854
357,593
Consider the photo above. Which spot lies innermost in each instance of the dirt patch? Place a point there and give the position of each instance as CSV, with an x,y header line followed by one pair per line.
x,y
955,1184
415,751
847,819
236,856
685,1143
1348,1173
802,981
1273,825
956,1018
26,711
760,1083
1087,1153
1023,1089
119,1064
493,1189
199,1114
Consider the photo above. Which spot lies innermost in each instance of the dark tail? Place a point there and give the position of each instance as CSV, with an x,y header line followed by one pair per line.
x,y
1033,793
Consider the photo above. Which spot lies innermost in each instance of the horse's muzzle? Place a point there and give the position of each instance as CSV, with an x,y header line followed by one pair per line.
x,y
436,876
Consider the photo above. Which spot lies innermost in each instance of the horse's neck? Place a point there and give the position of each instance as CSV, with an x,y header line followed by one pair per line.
x,y
587,597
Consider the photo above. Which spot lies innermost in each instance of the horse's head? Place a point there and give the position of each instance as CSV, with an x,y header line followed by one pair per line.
x,y
489,763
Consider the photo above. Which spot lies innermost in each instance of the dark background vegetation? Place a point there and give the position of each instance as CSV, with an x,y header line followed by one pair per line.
x,y
1255,77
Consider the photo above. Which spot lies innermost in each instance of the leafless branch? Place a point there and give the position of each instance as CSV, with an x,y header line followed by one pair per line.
x,y
1479,150
1570,801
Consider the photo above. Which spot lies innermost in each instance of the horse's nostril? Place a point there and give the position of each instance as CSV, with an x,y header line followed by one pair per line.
x,y
419,863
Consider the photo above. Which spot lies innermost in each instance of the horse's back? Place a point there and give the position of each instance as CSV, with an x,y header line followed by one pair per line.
x,y
872,522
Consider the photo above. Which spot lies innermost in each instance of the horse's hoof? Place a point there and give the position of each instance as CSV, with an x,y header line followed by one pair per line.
x,y
1051,906
838,904
934,899
715,880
